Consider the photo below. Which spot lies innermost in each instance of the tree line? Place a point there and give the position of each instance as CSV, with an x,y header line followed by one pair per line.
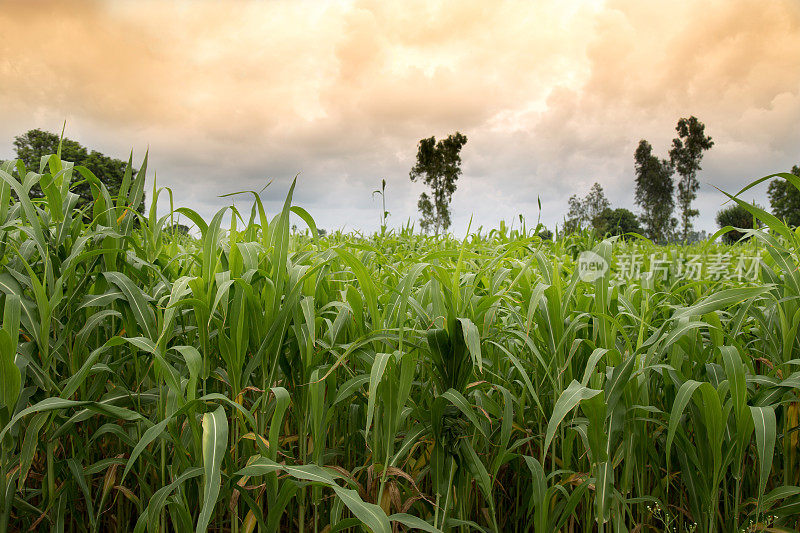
x,y
656,193
438,165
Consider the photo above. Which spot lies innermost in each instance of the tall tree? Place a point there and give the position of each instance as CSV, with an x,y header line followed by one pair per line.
x,y
785,199
31,146
439,166
595,202
685,156
576,215
582,213
654,189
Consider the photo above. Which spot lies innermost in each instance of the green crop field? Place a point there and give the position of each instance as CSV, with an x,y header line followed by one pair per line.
x,y
253,378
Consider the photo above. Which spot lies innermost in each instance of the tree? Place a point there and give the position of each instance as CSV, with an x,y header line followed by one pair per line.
x,y
582,213
685,156
785,199
31,146
654,188
738,217
617,222
576,215
439,166
595,202
179,229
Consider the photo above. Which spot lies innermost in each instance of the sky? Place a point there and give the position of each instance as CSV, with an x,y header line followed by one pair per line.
x,y
552,96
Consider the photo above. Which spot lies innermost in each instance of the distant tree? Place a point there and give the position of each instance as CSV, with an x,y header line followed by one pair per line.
x,y
785,199
617,222
738,217
654,188
179,229
582,213
696,236
439,166
595,202
31,146
576,215
545,234
685,156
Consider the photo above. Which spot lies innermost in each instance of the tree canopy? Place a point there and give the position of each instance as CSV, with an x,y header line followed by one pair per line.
x,y
736,216
685,156
32,145
439,166
583,212
785,199
617,222
654,188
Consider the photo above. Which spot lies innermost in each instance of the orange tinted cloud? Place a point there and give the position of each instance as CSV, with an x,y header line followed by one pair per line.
x,y
553,96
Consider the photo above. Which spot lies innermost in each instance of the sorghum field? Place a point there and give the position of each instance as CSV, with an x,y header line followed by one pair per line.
x,y
250,378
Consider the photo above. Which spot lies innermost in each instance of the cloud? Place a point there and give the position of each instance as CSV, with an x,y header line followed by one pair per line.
x,y
552,96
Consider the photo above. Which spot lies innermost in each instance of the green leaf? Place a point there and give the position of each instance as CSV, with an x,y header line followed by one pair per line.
x,y
149,516
282,400
478,471
539,486
765,429
77,379
48,404
194,363
595,410
375,377
681,400
572,396
720,300
215,443
137,302
457,399
10,377
29,445
307,218
370,514
413,522
473,340
349,387
734,369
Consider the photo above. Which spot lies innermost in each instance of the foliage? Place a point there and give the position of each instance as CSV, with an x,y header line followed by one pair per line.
x,y
617,222
785,199
250,378
179,229
33,145
738,217
439,166
582,213
685,156
654,188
